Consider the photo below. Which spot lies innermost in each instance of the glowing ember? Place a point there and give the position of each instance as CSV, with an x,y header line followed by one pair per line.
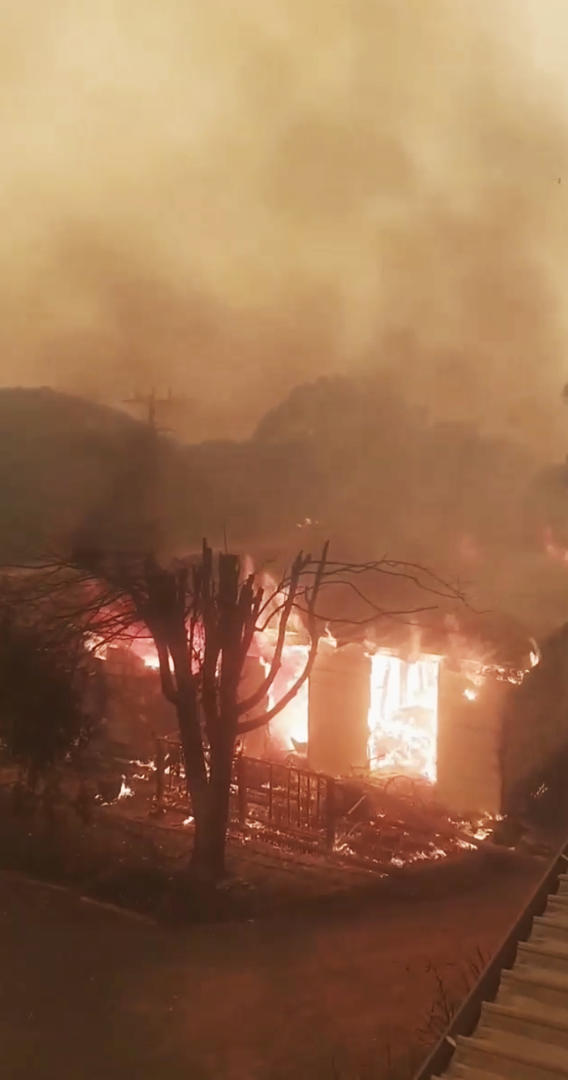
x,y
553,549
470,694
403,717
481,828
125,792
534,656
96,645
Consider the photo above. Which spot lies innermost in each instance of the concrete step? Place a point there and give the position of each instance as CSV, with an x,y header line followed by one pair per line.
x,y
550,1026
546,932
560,915
558,900
562,889
552,925
513,1057
548,988
463,1072
547,955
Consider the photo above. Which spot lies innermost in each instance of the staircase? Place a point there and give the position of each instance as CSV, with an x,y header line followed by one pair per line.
x,y
523,1033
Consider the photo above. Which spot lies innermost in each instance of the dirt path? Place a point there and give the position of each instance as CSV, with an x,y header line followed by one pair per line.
x,y
88,993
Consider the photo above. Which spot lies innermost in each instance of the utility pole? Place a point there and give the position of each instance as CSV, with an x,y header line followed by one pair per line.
x,y
147,464
151,403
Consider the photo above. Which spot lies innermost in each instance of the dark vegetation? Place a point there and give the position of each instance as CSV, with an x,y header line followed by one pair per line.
x,y
44,715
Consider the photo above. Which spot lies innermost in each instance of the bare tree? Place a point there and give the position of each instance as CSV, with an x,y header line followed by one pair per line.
x,y
202,618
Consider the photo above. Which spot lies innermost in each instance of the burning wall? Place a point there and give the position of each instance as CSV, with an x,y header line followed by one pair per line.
x,y
428,718
373,713
136,709
339,700
469,739
535,724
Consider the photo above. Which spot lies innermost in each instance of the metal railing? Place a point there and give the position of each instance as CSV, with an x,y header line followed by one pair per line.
x,y
466,1019
171,788
289,798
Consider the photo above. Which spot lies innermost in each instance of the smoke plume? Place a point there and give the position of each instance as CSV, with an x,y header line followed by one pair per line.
x,y
230,200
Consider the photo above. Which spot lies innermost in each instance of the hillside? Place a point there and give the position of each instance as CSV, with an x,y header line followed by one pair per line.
x,y
67,463
339,458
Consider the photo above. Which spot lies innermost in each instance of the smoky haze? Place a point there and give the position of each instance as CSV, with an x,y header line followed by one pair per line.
x,y
235,200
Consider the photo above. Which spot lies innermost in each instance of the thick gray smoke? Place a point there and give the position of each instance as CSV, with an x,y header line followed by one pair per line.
x,y
234,199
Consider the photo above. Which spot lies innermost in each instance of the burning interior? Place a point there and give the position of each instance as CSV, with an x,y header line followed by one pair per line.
x,y
403,715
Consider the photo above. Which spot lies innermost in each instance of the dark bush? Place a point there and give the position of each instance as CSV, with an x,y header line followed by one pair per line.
x,y
43,678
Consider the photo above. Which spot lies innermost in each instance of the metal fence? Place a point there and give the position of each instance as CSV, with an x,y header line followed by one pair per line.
x,y
284,797
467,1017
171,788
289,798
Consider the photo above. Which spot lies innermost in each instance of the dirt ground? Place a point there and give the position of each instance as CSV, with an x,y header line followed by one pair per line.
x,y
306,968
90,993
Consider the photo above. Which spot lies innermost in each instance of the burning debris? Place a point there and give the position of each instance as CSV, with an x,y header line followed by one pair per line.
x,y
410,831
555,550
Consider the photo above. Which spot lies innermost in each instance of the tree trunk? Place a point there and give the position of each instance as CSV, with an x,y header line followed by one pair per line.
x,y
196,780
208,855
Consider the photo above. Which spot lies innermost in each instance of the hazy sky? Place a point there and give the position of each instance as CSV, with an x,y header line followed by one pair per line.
x,y
234,198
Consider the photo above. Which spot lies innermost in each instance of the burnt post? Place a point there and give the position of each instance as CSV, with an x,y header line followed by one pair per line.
x,y
159,774
330,811
242,788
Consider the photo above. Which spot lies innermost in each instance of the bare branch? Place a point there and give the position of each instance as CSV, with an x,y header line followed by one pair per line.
x,y
166,678
256,722
256,697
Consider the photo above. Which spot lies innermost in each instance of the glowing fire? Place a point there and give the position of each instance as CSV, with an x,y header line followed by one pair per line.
x,y
151,662
289,729
126,791
143,648
403,717
470,694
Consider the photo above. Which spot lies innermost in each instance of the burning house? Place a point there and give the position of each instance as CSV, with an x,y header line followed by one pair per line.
x,y
451,705
432,698
389,708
